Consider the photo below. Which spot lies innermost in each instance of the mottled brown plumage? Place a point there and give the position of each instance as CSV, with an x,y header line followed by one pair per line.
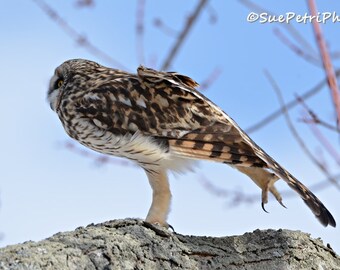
x,y
160,120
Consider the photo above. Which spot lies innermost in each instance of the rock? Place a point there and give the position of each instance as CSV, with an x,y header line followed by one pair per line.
x,y
135,244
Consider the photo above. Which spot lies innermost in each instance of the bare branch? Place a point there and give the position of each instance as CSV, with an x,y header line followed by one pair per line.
x,y
85,3
234,197
77,37
213,16
164,28
297,50
314,118
320,122
140,31
335,55
325,142
327,63
272,116
183,34
296,134
210,79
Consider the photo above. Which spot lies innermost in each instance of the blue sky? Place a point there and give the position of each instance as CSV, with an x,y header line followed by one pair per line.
x,y
45,188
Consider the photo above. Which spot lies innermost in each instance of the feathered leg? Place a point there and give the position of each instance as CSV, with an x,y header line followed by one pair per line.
x,y
161,197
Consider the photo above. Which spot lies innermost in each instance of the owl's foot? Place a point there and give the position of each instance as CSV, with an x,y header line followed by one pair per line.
x,y
265,180
161,230
158,224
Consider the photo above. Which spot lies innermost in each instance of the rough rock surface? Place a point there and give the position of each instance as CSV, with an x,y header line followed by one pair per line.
x,y
134,244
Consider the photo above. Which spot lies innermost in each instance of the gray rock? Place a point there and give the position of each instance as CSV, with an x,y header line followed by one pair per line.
x,y
134,244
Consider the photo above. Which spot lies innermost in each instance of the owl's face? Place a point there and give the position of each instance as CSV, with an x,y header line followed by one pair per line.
x,y
55,89
70,73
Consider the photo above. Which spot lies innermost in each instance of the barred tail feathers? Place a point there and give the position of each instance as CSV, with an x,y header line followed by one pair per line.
x,y
314,204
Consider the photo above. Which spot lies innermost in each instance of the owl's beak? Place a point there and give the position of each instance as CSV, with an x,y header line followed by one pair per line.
x,y
53,94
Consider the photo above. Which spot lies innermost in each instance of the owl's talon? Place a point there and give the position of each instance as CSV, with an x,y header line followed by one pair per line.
x,y
264,198
170,227
264,209
280,202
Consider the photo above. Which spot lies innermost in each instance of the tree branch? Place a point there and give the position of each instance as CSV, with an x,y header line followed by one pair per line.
x,y
77,37
135,244
314,118
297,50
272,116
327,63
296,134
140,31
325,142
183,34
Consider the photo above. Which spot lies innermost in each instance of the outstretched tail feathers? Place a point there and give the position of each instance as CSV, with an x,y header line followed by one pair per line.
x,y
314,204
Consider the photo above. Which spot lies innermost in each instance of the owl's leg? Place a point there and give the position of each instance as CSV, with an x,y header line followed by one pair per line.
x,y
161,197
265,180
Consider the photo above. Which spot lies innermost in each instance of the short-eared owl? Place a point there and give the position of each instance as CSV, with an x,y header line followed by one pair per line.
x,y
159,120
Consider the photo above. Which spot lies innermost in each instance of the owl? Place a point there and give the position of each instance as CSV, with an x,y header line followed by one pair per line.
x,y
163,123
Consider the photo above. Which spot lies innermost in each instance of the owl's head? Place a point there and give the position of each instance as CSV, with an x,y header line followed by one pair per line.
x,y
69,75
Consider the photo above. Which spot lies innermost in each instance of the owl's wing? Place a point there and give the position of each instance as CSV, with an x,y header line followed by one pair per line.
x,y
172,111
209,132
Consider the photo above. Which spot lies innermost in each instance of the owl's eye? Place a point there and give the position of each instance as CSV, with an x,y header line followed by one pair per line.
x,y
59,83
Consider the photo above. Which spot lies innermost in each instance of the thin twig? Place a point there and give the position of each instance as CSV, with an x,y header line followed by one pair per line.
x,y
294,132
327,63
297,50
85,3
325,142
314,118
335,55
77,37
272,116
213,16
210,79
235,197
158,23
183,34
140,31
320,122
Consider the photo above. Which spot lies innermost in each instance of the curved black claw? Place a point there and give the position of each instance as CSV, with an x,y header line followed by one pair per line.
x,y
282,204
264,209
170,227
